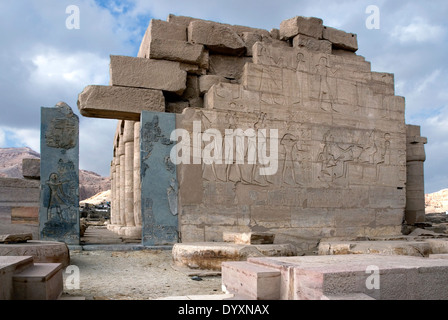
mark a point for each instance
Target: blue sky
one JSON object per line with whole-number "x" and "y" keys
{"x": 42, "y": 62}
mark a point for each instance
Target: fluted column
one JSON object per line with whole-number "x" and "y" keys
{"x": 137, "y": 182}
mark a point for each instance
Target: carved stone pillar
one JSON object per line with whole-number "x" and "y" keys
{"x": 415, "y": 187}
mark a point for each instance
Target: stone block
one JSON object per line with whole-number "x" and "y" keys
{"x": 119, "y": 102}
{"x": 31, "y": 168}
{"x": 253, "y": 281}
{"x": 232, "y": 97}
{"x": 249, "y": 39}
{"x": 254, "y": 238}
{"x": 8, "y": 267}
{"x": 181, "y": 51}
{"x": 207, "y": 81}
{"x": 341, "y": 39}
{"x": 216, "y": 37}
{"x": 312, "y": 44}
{"x": 19, "y": 192}
{"x": 42, "y": 281}
{"x": 147, "y": 73}
{"x": 229, "y": 67}
{"x": 308, "y": 26}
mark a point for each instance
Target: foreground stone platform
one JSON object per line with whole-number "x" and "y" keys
{"x": 408, "y": 246}
{"x": 210, "y": 255}
{"x": 22, "y": 278}
{"x": 336, "y": 277}
{"x": 41, "y": 251}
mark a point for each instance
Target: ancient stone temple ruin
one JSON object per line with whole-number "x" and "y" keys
{"x": 227, "y": 128}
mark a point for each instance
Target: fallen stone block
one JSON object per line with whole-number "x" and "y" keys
{"x": 308, "y": 26}
{"x": 119, "y": 102}
{"x": 341, "y": 39}
{"x": 147, "y": 73}
{"x": 250, "y": 280}
{"x": 15, "y": 238}
{"x": 31, "y": 168}
{"x": 210, "y": 255}
{"x": 216, "y": 37}
{"x": 181, "y": 51}
{"x": 249, "y": 237}
{"x": 312, "y": 44}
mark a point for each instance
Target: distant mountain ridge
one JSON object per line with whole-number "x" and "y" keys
{"x": 90, "y": 183}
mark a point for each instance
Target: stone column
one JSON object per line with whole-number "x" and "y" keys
{"x": 59, "y": 170}
{"x": 121, "y": 154}
{"x": 128, "y": 138}
{"x": 116, "y": 195}
{"x": 137, "y": 182}
{"x": 112, "y": 192}
{"x": 415, "y": 187}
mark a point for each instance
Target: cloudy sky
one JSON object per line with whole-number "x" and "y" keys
{"x": 43, "y": 62}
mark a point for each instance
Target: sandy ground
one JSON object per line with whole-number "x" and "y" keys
{"x": 133, "y": 275}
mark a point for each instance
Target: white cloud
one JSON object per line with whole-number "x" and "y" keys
{"x": 418, "y": 31}
{"x": 70, "y": 70}
{"x": 2, "y": 138}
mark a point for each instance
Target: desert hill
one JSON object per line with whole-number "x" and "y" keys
{"x": 90, "y": 183}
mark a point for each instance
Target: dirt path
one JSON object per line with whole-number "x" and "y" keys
{"x": 133, "y": 275}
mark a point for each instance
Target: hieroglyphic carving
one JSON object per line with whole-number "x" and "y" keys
{"x": 369, "y": 151}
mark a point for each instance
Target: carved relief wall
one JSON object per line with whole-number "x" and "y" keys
{"x": 341, "y": 151}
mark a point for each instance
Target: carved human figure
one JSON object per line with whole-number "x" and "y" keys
{"x": 325, "y": 94}
{"x": 57, "y": 197}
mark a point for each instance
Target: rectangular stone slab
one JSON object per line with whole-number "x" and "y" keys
{"x": 159, "y": 187}
{"x": 147, "y": 73}
{"x": 59, "y": 168}
{"x": 119, "y": 102}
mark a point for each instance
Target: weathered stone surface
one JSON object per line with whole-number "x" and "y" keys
{"x": 312, "y": 44}
{"x": 181, "y": 51}
{"x": 119, "y": 102}
{"x": 249, "y": 39}
{"x": 207, "y": 81}
{"x": 147, "y": 73}
{"x": 41, "y": 251}
{"x": 19, "y": 192}
{"x": 161, "y": 30}
{"x": 14, "y": 238}
{"x": 159, "y": 200}
{"x": 315, "y": 277}
{"x": 31, "y": 168}
{"x": 341, "y": 39}
{"x": 308, "y": 26}
{"x": 251, "y": 281}
{"x": 59, "y": 198}
{"x": 210, "y": 255}
{"x": 216, "y": 37}
{"x": 229, "y": 67}
{"x": 249, "y": 237}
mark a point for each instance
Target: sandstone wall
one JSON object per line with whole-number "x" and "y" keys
{"x": 340, "y": 129}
